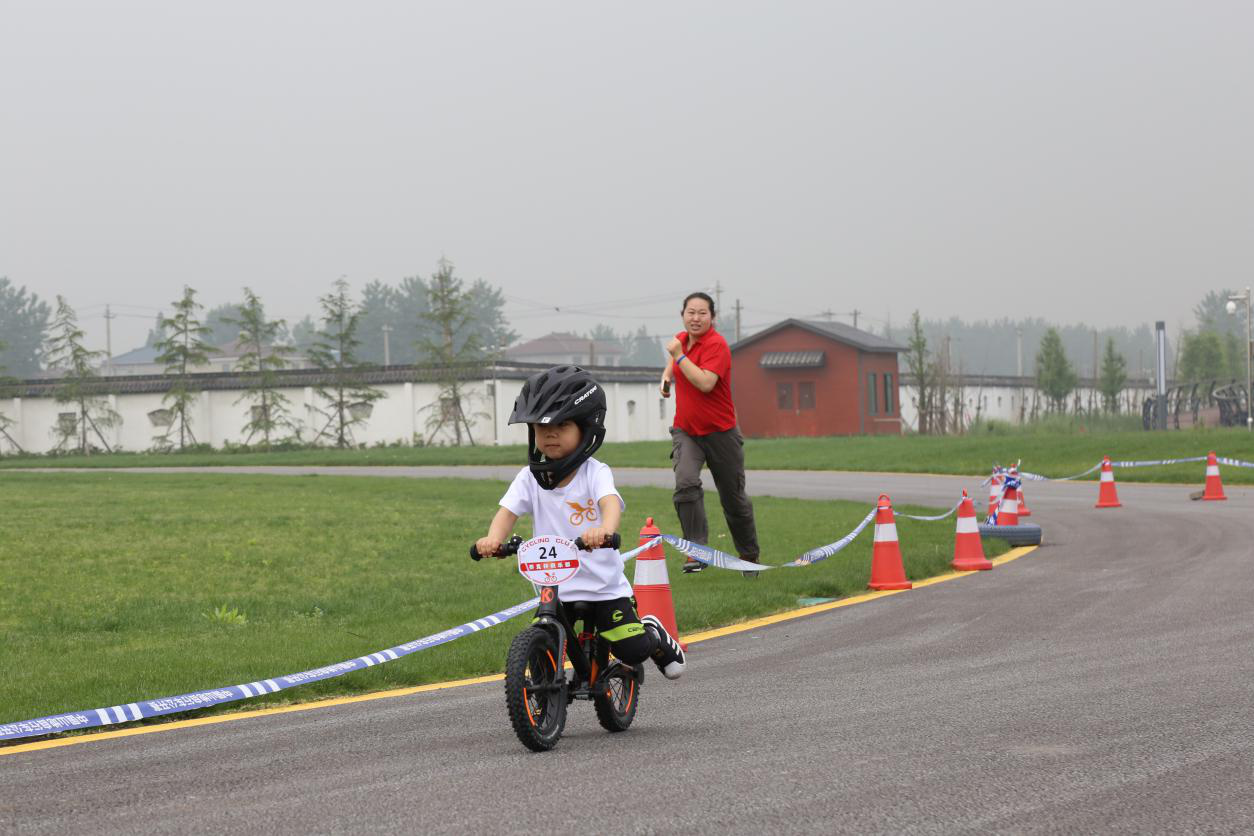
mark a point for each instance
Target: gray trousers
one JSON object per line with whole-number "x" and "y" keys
{"x": 724, "y": 453}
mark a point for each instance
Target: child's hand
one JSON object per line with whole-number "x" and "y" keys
{"x": 595, "y": 538}
{"x": 488, "y": 546}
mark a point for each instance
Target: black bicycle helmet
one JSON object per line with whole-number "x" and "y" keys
{"x": 562, "y": 393}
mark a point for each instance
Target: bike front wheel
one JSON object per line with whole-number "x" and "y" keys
{"x": 535, "y": 689}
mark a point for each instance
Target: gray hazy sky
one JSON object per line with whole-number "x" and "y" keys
{"x": 1080, "y": 161}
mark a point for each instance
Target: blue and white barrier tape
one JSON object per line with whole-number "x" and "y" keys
{"x": 143, "y": 709}
{"x": 1036, "y": 477}
{"x": 930, "y": 519}
{"x": 1233, "y": 462}
{"x": 1158, "y": 462}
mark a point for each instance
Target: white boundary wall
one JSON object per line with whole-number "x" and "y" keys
{"x": 636, "y": 412}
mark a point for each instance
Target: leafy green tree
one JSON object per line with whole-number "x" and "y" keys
{"x": 1202, "y": 357}
{"x": 304, "y": 334}
{"x": 335, "y": 353}
{"x": 923, "y": 371}
{"x": 1055, "y": 376}
{"x": 642, "y": 349}
{"x": 24, "y": 324}
{"x": 487, "y": 310}
{"x": 67, "y": 355}
{"x": 156, "y": 333}
{"x": 182, "y": 352}
{"x": 1212, "y": 314}
{"x": 1113, "y": 376}
{"x": 378, "y": 323}
{"x": 221, "y": 326}
{"x": 453, "y": 346}
{"x": 261, "y": 359}
{"x": 8, "y": 387}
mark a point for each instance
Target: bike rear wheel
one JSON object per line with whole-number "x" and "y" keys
{"x": 616, "y": 704}
{"x": 535, "y": 689}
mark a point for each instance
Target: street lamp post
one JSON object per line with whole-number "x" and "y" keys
{"x": 1249, "y": 394}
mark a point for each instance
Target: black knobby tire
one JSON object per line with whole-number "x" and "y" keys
{"x": 1023, "y": 534}
{"x": 535, "y": 689}
{"x": 616, "y": 705}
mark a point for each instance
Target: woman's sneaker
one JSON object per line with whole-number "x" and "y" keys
{"x": 669, "y": 656}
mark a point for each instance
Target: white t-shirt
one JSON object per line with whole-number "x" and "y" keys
{"x": 568, "y": 512}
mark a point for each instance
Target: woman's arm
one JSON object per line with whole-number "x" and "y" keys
{"x": 700, "y": 377}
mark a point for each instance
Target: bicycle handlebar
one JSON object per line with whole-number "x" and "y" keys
{"x": 511, "y": 546}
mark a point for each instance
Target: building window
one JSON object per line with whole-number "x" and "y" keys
{"x": 631, "y": 408}
{"x": 872, "y": 404}
{"x": 783, "y": 394}
{"x": 888, "y": 393}
{"x": 805, "y": 395}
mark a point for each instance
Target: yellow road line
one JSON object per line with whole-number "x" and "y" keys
{"x": 742, "y": 627}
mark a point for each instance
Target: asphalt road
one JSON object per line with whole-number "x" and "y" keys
{"x": 1103, "y": 682}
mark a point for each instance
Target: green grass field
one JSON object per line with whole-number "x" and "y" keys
{"x": 1056, "y": 449}
{"x": 117, "y": 587}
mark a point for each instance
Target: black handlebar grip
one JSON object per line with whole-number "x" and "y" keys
{"x": 510, "y": 546}
{"x": 613, "y": 542}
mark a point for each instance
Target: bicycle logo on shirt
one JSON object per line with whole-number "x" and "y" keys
{"x": 582, "y": 513}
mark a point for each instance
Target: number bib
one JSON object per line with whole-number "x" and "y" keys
{"x": 548, "y": 560}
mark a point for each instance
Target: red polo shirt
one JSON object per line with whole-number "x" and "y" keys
{"x": 697, "y": 412}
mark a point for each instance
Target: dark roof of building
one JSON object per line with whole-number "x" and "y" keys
{"x": 793, "y": 359}
{"x": 136, "y": 356}
{"x": 562, "y": 343}
{"x": 294, "y": 378}
{"x": 864, "y": 340}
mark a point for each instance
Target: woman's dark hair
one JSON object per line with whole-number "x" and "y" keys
{"x": 698, "y": 295}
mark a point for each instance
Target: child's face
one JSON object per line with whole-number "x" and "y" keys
{"x": 557, "y": 441}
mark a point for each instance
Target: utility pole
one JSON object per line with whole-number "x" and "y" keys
{"x": 387, "y": 344}
{"x": 718, "y": 296}
{"x": 738, "y": 309}
{"x": 855, "y": 317}
{"x": 108, "y": 316}
{"x": 827, "y": 314}
{"x": 1019, "y": 340}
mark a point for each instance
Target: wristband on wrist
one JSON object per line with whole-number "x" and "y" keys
{"x": 680, "y": 359}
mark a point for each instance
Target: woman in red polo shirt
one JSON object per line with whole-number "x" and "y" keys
{"x": 705, "y": 431}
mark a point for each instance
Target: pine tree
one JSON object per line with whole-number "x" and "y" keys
{"x": 1114, "y": 375}
{"x": 261, "y": 357}
{"x": 1055, "y": 376}
{"x": 334, "y": 353}
{"x": 66, "y": 354}
{"x": 453, "y": 347}
{"x": 182, "y": 350}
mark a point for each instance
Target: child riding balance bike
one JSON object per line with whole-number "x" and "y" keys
{"x": 574, "y": 504}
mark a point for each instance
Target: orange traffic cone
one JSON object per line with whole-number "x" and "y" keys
{"x": 887, "y": 569}
{"x": 968, "y": 548}
{"x": 1008, "y": 513}
{"x": 994, "y": 491}
{"x": 652, "y": 585}
{"x": 1024, "y": 510}
{"x": 1107, "y": 496}
{"x": 1214, "y": 486}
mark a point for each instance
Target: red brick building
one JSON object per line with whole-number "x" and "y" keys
{"x": 816, "y": 378}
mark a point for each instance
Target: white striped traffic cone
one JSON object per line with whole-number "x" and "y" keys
{"x": 968, "y": 548}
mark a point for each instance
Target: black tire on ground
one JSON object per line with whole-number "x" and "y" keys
{"x": 535, "y": 689}
{"x": 1023, "y": 534}
{"x": 617, "y": 707}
